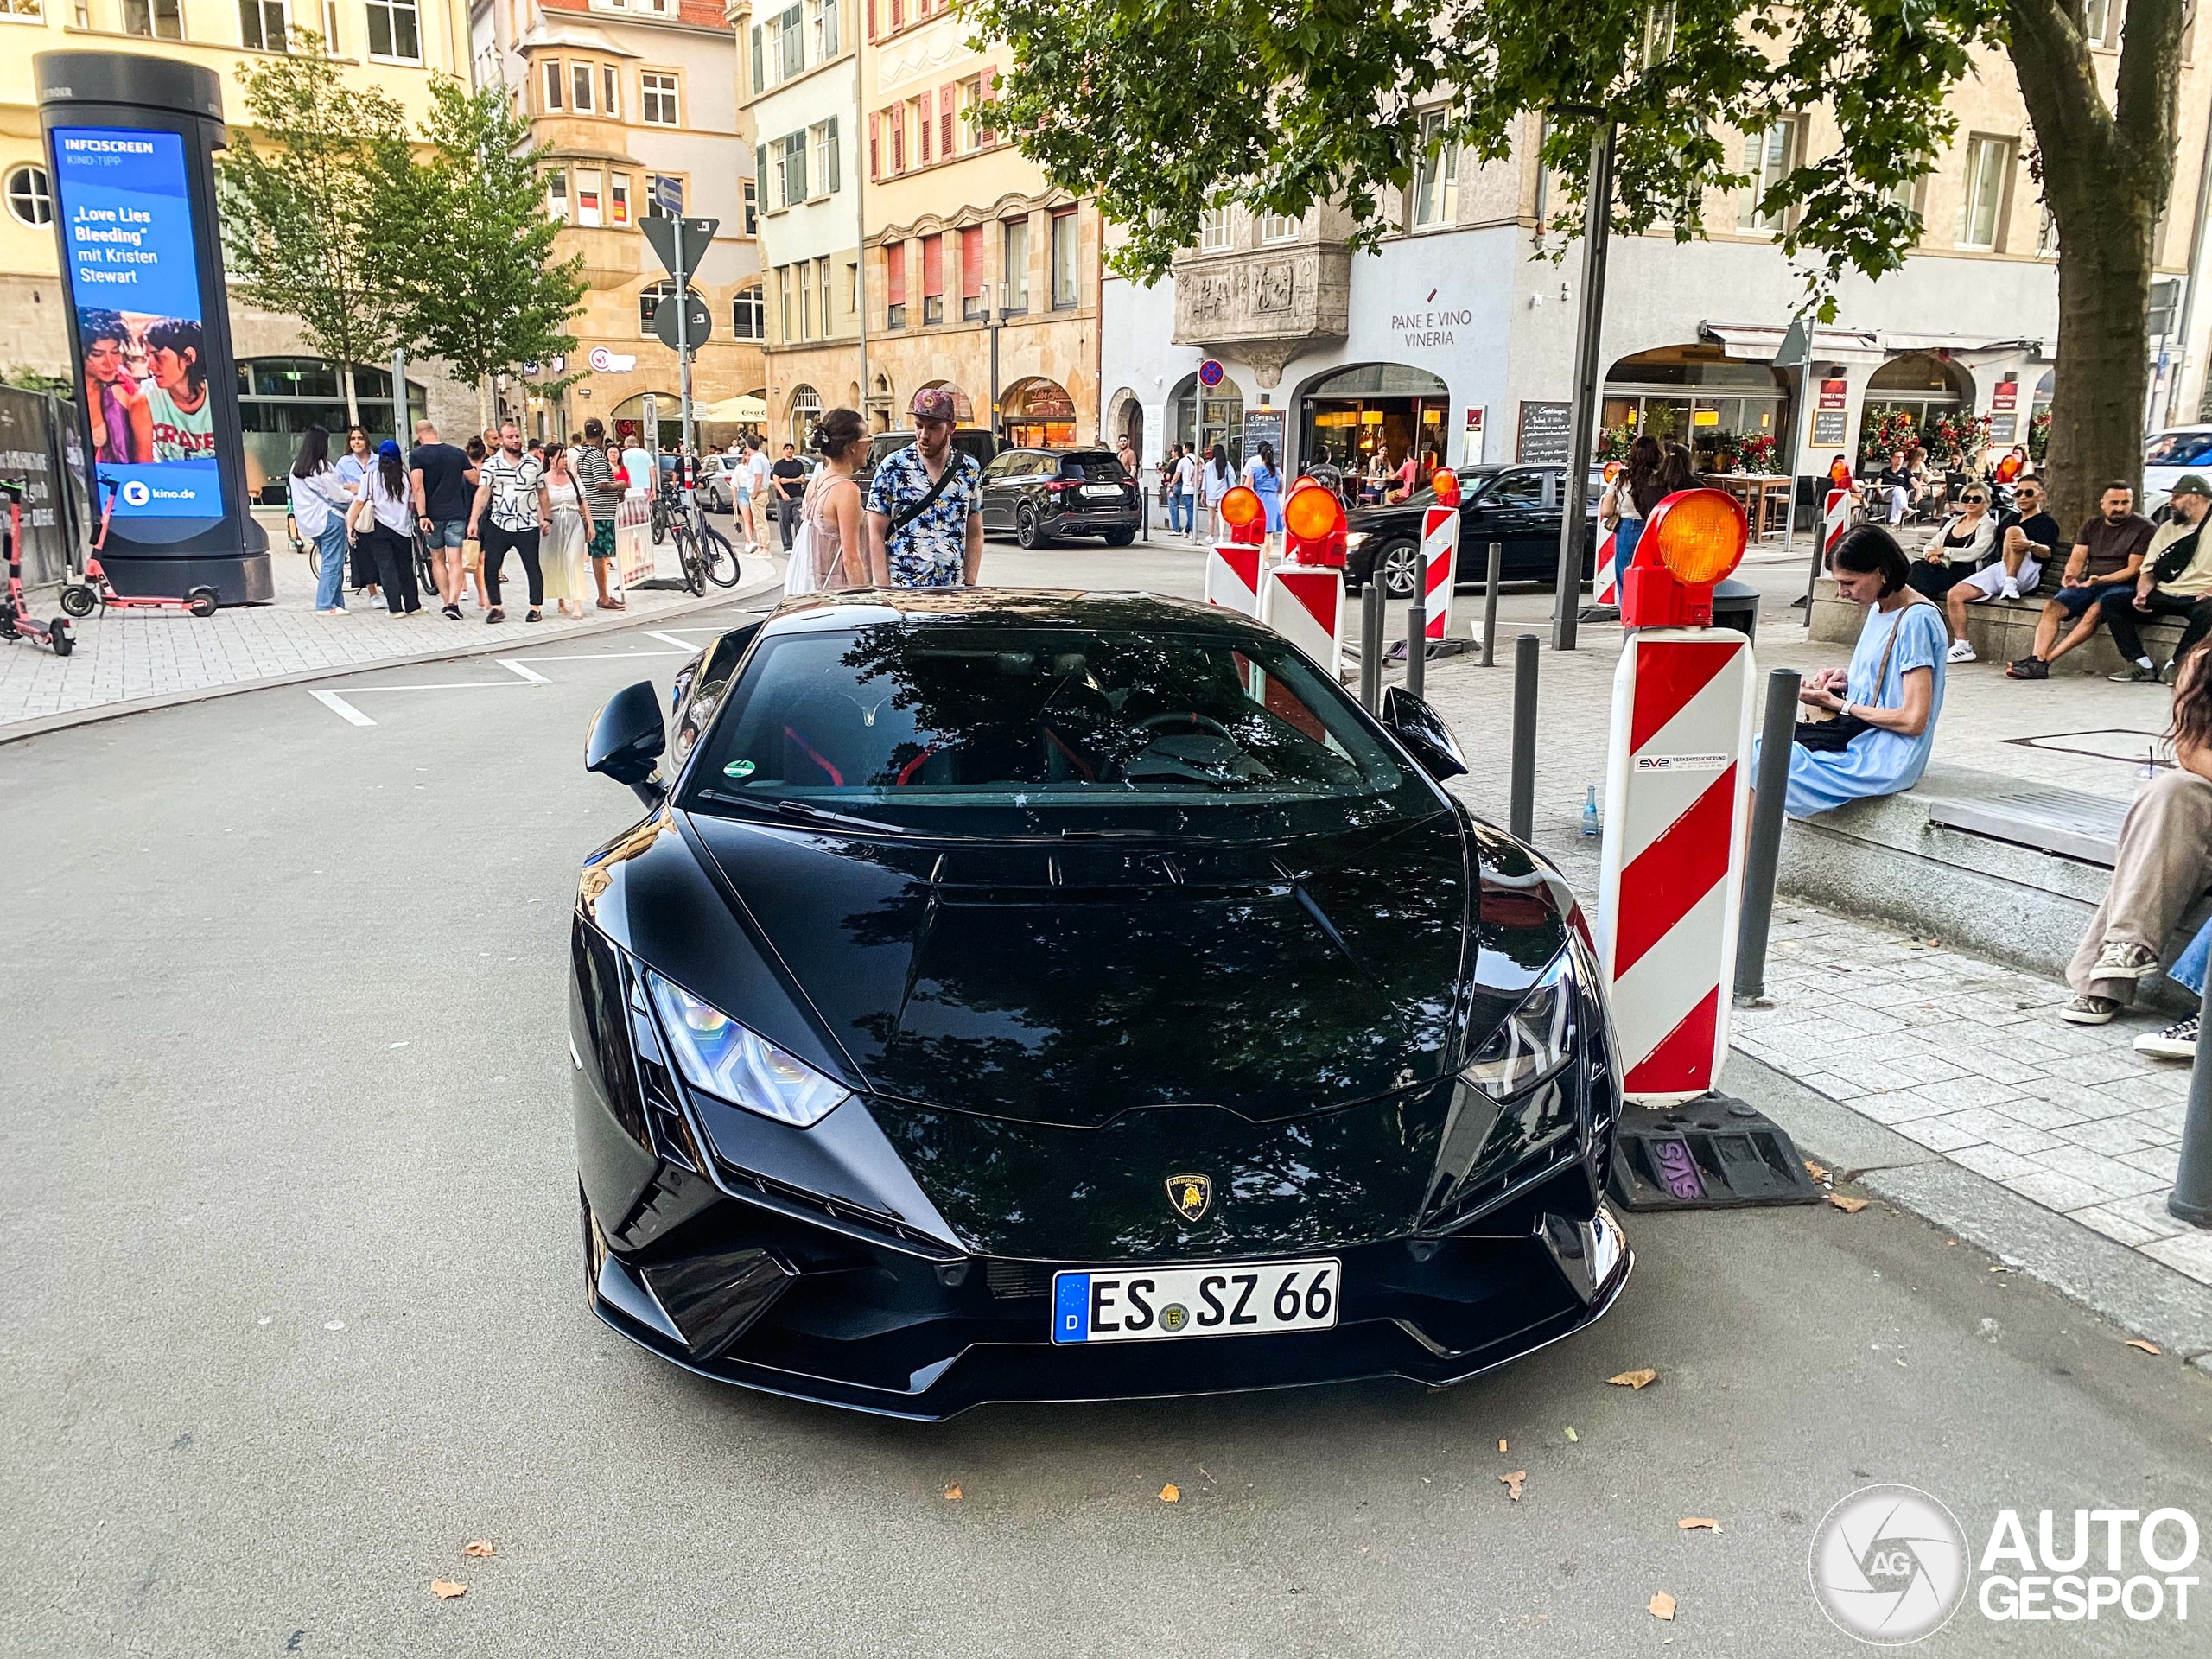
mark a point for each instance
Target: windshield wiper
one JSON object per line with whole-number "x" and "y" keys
{"x": 822, "y": 815}
{"x": 1120, "y": 835}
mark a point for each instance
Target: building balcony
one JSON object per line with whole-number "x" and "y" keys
{"x": 1267, "y": 304}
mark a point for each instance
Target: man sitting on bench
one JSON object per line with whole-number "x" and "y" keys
{"x": 2165, "y": 861}
{"x": 2107, "y": 554}
{"x": 2177, "y": 580}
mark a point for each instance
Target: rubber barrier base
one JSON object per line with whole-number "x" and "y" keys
{"x": 1710, "y": 1154}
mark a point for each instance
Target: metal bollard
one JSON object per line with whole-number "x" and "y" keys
{"x": 1417, "y": 633}
{"x": 1490, "y": 602}
{"x": 2191, "y": 1199}
{"x": 1521, "y": 816}
{"x": 1764, "y": 855}
{"x": 1371, "y": 645}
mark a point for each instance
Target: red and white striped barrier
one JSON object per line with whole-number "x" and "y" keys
{"x": 1607, "y": 579}
{"x": 1306, "y": 607}
{"x": 1836, "y": 519}
{"x": 1440, "y": 553}
{"x": 1233, "y": 577}
{"x": 1675, "y": 817}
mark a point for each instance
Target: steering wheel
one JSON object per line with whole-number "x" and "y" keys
{"x": 1185, "y": 717}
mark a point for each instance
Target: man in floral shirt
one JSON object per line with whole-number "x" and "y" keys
{"x": 942, "y": 544}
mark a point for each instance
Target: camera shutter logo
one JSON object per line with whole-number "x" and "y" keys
{"x": 1889, "y": 1565}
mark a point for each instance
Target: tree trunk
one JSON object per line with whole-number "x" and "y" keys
{"x": 352, "y": 402}
{"x": 2104, "y": 371}
{"x": 483, "y": 402}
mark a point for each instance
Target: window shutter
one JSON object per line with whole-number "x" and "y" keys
{"x": 898, "y": 13}
{"x": 760, "y": 61}
{"x": 871, "y": 19}
{"x": 875, "y": 146}
{"x": 947, "y": 97}
{"x": 972, "y": 261}
{"x": 795, "y": 148}
{"x": 924, "y": 107}
{"x": 760, "y": 176}
{"x": 894, "y": 273}
{"x": 986, "y": 84}
{"x": 896, "y": 114}
{"x": 933, "y": 266}
{"x": 836, "y": 160}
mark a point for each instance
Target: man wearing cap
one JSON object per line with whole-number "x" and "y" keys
{"x": 2177, "y": 580}
{"x": 925, "y": 526}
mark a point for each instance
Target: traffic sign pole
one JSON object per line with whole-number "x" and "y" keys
{"x": 684, "y": 344}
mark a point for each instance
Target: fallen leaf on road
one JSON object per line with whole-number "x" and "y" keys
{"x": 952, "y": 1493}
{"x": 1849, "y": 1206}
{"x": 477, "y": 1547}
{"x": 445, "y": 1589}
{"x": 2000, "y": 1269}
{"x": 1512, "y": 1484}
{"x": 1815, "y": 1171}
{"x": 1171, "y": 1493}
{"x": 1690, "y": 1523}
{"x": 2147, "y": 1347}
{"x": 1634, "y": 1379}
{"x": 1661, "y": 1605}
{"x": 1571, "y": 1434}
{"x": 1501, "y": 1445}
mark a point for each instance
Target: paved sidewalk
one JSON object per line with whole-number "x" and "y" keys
{"x": 128, "y": 655}
{"x": 1959, "y": 1055}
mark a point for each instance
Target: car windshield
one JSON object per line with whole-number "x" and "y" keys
{"x": 1009, "y": 730}
{"x": 2179, "y": 450}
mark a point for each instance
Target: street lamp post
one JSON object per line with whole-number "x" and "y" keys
{"x": 1574, "y": 535}
{"x": 997, "y": 325}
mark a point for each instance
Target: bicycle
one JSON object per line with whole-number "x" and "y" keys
{"x": 704, "y": 552}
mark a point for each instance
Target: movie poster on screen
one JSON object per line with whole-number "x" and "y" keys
{"x": 134, "y": 283}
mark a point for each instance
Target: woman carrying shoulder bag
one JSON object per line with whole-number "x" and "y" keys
{"x": 383, "y": 521}
{"x": 830, "y": 554}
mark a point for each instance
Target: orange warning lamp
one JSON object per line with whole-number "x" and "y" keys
{"x": 1446, "y": 486}
{"x": 1692, "y": 539}
{"x": 1314, "y": 526}
{"x": 1245, "y": 515}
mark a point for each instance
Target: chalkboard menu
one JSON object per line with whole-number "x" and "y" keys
{"x": 1828, "y": 428}
{"x": 1544, "y": 432}
{"x": 1264, "y": 426}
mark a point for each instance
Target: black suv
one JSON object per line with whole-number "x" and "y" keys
{"x": 968, "y": 440}
{"x": 1044, "y": 494}
{"x": 1517, "y": 506}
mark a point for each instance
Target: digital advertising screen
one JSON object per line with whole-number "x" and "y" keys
{"x": 123, "y": 197}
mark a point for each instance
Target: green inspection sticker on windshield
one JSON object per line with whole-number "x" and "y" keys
{"x": 737, "y": 769}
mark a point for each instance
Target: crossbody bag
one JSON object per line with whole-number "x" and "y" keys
{"x": 1834, "y": 735}
{"x": 906, "y": 516}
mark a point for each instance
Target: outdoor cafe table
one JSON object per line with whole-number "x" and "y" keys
{"x": 1765, "y": 497}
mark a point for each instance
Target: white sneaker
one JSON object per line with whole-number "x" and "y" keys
{"x": 2011, "y": 589}
{"x": 1961, "y": 651}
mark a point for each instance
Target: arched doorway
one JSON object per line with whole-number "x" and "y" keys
{"x": 1038, "y": 413}
{"x": 1125, "y": 419}
{"x": 806, "y": 411}
{"x": 1726, "y": 410}
{"x": 1349, "y": 416}
{"x": 963, "y": 409}
{"x": 1908, "y": 393}
{"x": 1217, "y": 417}
{"x": 627, "y": 418}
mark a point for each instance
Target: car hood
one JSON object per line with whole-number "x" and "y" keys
{"x": 1067, "y": 985}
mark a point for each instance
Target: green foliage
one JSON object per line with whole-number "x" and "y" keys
{"x": 1161, "y": 110}
{"x": 302, "y": 210}
{"x": 38, "y": 380}
{"x": 468, "y": 221}
{"x": 2038, "y": 435}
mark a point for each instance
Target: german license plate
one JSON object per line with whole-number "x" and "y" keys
{"x": 1156, "y": 1304}
{"x": 1113, "y": 490}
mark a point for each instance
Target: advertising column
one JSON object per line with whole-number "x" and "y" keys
{"x": 130, "y": 145}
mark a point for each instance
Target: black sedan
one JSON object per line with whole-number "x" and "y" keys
{"x": 1042, "y": 495}
{"x": 1518, "y": 507}
{"x": 1029, "y": 995}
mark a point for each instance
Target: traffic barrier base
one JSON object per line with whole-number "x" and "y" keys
{"x": 1306, "y": 607}
{"x": 1711, "y": 1153}
{"x": 1233, "y": 579}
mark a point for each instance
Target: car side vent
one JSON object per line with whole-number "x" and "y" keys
{"x": 851, "y": 1216}
{"x": 671, "y": 1136}
{"x": 674, "y": 1197}
{"x": 1012, "y": 1282}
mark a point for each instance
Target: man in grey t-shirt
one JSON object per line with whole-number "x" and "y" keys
{"x": 597, "y": 476}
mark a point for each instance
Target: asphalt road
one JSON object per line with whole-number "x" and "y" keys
{"x": 296, "y": 1306}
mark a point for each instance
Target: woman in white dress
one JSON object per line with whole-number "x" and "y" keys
{"x": 568, "y": 576}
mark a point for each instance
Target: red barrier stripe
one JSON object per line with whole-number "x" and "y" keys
{"x": 1664, "y": 881}
{"x": 1682, "y": 1063}
{"x": 1668, "y": 675}
{"x": 1316, "y": 596}
{"x": 1243, "y": 561}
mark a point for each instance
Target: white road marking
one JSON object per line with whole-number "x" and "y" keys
{"x": 528, "y": 676}
{"x": 345, "y": 710}
{"x": 668, "y": 638}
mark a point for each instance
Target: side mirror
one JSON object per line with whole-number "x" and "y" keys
{"x": 1421, "y": 729}
{"x": 626, "y": 740}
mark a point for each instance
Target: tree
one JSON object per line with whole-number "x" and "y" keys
{"x": 1280, "y": 103}
{"x": 471, "y": 224}
{"x": 303, "y": 211}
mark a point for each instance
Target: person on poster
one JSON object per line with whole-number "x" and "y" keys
{"x": 123, "y": 426}
{"x": 182, "y": 419}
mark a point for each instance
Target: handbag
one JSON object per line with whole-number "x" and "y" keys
{"x": 798, "y": 577}
{"x": 1833, "y": 735}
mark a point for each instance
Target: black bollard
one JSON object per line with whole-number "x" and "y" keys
{"x": 1417, "y": 633}
{"x": 1372, "y": 599}
{"x": 1521, "y": 812}
{"x": 2191, "y": 1199}
{"x": 1489, "y": 603}
{"x": 1764, "y": 855}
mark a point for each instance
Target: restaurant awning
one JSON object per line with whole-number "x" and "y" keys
{"x": 1758, "y": 342}
{"x": 743, "y": 407}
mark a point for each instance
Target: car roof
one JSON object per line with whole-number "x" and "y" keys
{"x": 1013, "y": 607}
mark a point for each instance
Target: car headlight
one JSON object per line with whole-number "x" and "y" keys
{"x": 718, "y": 1055}
{"x": 1535, "y": 1040}
{"x": 1356, "y": 538}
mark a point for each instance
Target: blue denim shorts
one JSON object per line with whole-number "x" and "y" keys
{"x": 447, "y": 532}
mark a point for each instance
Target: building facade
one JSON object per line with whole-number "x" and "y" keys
{"x": 800, "y": 97}
{"x": 1457, "y": 335}
{"x": 636, "y": 101}
{"x": 394, "y": 45}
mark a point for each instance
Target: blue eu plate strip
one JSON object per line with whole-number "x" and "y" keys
{"x": 1072, "y": 1307}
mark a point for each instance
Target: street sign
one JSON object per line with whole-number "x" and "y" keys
{"x": 1210, "y": 374}
{"x": 604, "y": 361}
{"x": 668, "y": 193}
{"x": 1797, "y": 344}
{"x": 698, "y": 236}
{"x": 698, "y": 323}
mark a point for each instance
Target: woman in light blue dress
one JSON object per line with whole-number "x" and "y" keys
{"x": 1262, "y": 473}
{"x": 1895, "y": 682}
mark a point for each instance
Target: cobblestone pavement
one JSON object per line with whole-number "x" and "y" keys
{"x": 1964, "y": 1056}
{"x": 131, "y": 654}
